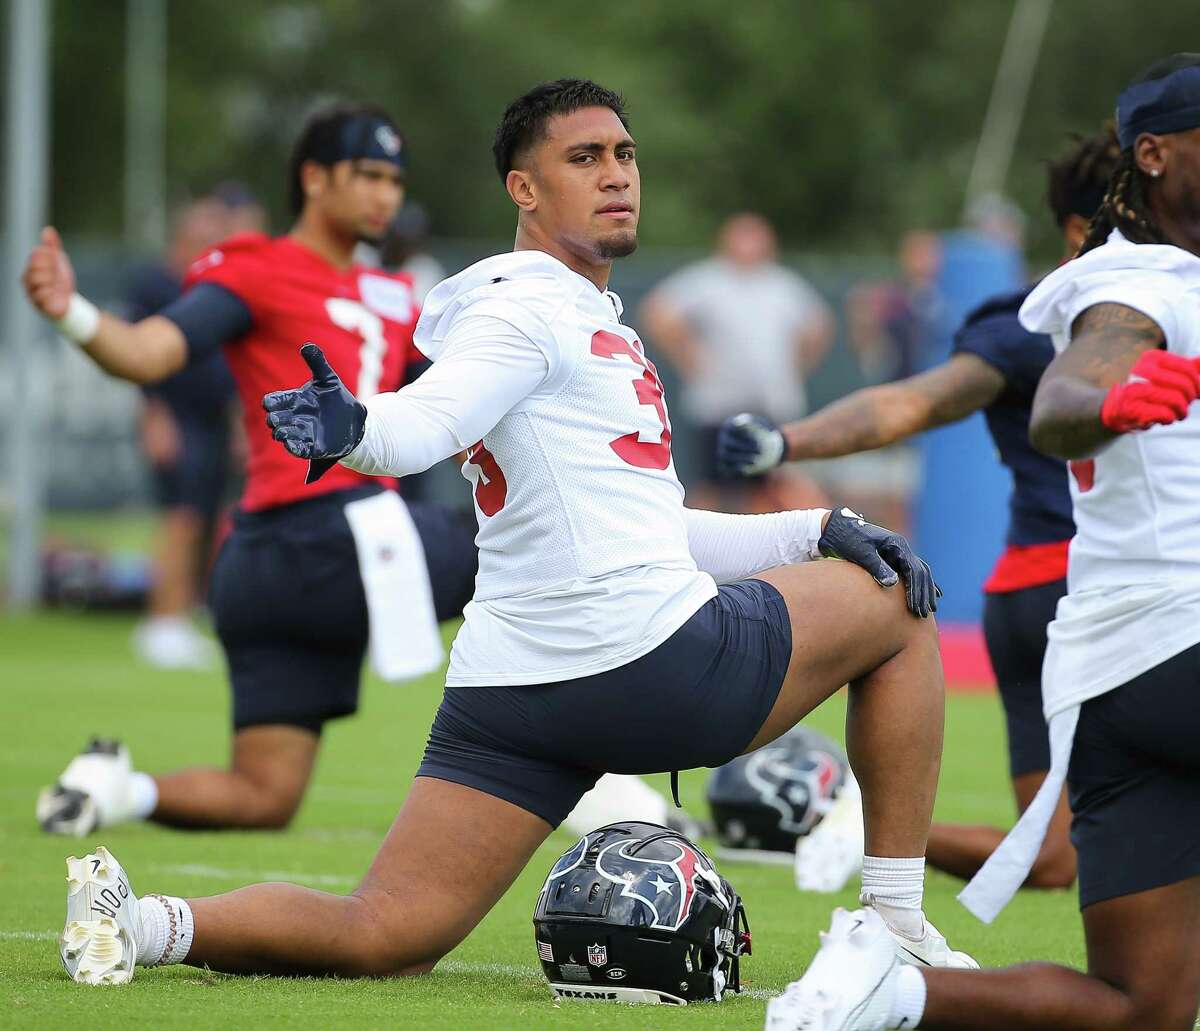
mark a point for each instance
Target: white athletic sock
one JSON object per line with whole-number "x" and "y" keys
{"x": 167, "y": 930}
{"x": 909, "y": 1004}
{"x": 896, "y": 890}
{"x": 143, "y": 795}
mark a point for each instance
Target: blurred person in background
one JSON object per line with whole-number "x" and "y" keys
{"x": 998, "y": 218}
{"x": 995, "y": 367}
{"x": 307, "y": 563}
{"x": 744, "y": 333}
{"x": 244, "y": 212}
{"x": 185, "y": 436}
{"x": 889, "y": 324}
{"x": 403, "y": 249}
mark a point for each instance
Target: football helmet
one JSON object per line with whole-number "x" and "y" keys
{"x": 635, "y": 912}
{"x": 763, "y": 802}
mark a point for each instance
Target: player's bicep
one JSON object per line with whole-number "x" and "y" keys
{"x": 1106, "y": 339}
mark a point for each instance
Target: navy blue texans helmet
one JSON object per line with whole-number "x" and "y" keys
{"x": 635, "y": 912}
{"x": 763, "y": 802}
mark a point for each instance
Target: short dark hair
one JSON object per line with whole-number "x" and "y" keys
{"x": 525, "y": 119}
{"x": 320, "y": 130}
{"x": 1077, "y": 181}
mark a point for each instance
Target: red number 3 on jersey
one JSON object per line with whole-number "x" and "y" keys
{"x": 629, "y": 448}
{"x": 491, "y": 488}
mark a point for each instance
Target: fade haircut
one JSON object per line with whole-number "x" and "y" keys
{"x": 323, "y": 127}
{"x": 1078, "y": 181}
{"x": 525, "y": 120}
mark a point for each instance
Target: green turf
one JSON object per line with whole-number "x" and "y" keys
{"x": 64, "y": 677}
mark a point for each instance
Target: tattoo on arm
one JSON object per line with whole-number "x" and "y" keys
{"x": 1106, "y": 340}
{"x": 878, "y": 416}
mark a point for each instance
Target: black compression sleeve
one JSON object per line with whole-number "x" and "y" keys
{"x": 208, "y": 316}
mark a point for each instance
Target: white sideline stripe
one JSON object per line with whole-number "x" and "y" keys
{"x": 252, "y": 876}
{"x": 450, "y": 966}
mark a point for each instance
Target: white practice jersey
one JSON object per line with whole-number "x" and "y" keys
{"x": 1134, "y": 571}
{"x": 584, "y": 562}
{"x": 1133, "y": 580}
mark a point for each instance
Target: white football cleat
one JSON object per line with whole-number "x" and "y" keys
{"x": 849, "y": 986}
{"x": 930, "y": 950}
{"x": 832, "y": 852}
{"x": 93, "y": 791}
{"x": 99, "y": 943}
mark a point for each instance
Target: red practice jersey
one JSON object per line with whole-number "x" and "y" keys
{"x": 362, "y": 318}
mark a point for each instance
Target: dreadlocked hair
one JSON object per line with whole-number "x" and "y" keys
{"x": 1125, "y": 207}
{"x": 1077, "y": 181}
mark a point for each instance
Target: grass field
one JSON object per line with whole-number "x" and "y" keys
{"x": 65, "y": 677}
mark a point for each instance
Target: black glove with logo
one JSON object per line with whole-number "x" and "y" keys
{"x": 321, "y": 421}
{"x": 749, "y": 445}
{"x": 886, "y": 555}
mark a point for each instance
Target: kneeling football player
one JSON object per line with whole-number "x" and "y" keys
{"x": 597, "y": 592}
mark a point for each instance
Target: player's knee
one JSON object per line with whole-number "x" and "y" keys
{"x": 270, "y": 808}
{"x": 1055, "y": 868}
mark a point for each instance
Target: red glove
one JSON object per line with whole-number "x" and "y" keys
{"x": 1159, "y": 389}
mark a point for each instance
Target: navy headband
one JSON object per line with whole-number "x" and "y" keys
{"x": 363, "y": 136}
{"x": 1164, "y": 105}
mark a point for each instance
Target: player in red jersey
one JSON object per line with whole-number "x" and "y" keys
{"x": 293, "y": 664}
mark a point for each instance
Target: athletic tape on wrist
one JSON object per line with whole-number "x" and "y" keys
{"x": 81, "y": 322}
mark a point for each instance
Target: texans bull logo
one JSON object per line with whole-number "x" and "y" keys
{"x": 667, "y": 887}
{"x": 800, "y": 792}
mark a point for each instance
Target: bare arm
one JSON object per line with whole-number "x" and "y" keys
{"x": 878, "y": 416}
{"x": 142, "y": 352}
{"x": 671, "y": 332}
{"x": 1106, "y": 340}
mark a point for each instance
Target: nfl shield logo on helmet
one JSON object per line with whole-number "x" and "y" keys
{"x": 598, "y": 955}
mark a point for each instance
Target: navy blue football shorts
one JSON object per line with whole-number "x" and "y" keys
{"x": 1014, "y": 626}
{"x": 698, "y": 699}
{"x": 289, "y": 607}
{"x": 1134, "y": 783}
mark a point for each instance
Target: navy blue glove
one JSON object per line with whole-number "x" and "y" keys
{"x": 886, "y": 555}
{"x": 749, "y": 445}
{"x": 321, "y": 421}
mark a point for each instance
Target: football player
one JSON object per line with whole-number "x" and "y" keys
{"x": 1124, "y": 647}
{"x": 294, "y": 632}
{"x": 598, "y": 639}
{"x": 995, "y": 367}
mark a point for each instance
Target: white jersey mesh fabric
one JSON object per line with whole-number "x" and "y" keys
{"x": 584, "y": 562}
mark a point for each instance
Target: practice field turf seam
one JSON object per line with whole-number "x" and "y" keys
{"x": 245, "y": 876}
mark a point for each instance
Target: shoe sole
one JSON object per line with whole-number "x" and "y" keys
{"x": 101, "y": 951}
{"x": 66, "y": 811}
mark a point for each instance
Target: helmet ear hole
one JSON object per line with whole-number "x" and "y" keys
{"x": 638, "y": 913}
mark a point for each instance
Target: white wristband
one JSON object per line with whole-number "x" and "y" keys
{"x": 81, "y": 322}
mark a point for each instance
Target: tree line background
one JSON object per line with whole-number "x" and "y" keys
{"x": 845, "y": 121}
